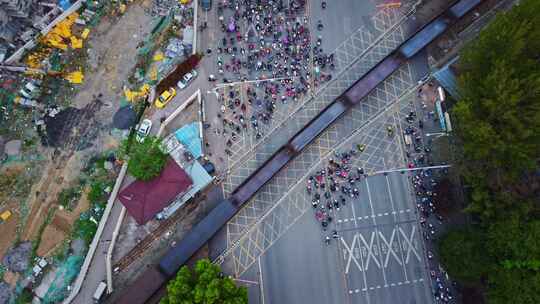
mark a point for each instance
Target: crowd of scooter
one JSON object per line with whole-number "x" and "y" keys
{"x": 331, "y": 188}
{"x": 424, "y": 182}
{"x": 268, "y": 44}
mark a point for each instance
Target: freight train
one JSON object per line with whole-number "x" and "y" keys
{"x": 154, "y": 277}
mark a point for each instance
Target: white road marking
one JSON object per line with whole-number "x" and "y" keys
{"x": 390, "y": 248}
{"x": 370, "y": 249}
{"x": 409, "y": 241}
{"x": 261, "y": 279}
{"x": 351, "y": 255}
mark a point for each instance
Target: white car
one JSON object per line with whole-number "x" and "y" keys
{"x": 184, "y": 82}
{"x": 143, "y": 130}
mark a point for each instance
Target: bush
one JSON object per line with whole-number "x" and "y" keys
{"x": 85, "y": 228}
{"x": 25, "y": 297}
{"x": 146, "y": 159}
{"x": 68, "y": 197}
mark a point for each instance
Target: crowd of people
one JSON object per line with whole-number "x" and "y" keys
{"x": 424, "y": 182}
{"x": 331, "y": 187}
{"x": 266, "y": 46}
{"x": 336, "y": 184}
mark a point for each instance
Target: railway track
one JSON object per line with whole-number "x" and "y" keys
{"x": 140, "y": 249}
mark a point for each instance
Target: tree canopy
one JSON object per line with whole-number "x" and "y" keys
{"x": 462, "y": 253}
{"x": 145, "y": 159}
{"x": 498, "y": 123}
{"x": 498, "y": 117}
{"x": 204, "y": 285}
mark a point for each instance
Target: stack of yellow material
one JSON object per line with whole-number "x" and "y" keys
{"x": 76, "y": 77}
{"x": 61, "y": 32}
{"x": 76, "y": 43}
{"x": 132, "y": 96}
{"x": 158, "y": 56}
{"x": 85, "y": 33}
{"x": 34, "y": 59}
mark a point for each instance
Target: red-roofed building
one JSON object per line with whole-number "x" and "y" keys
{"x": 144, "y": 199}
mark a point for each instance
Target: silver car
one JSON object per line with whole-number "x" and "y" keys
{"x": 143, "y": 130}
{"x": 187, "y": 79}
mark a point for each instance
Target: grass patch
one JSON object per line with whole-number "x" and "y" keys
{"x": 69, "y": 197}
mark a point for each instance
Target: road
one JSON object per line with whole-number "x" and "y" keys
{"x": 380, "y": 256}
{"x": 377, "y": 259}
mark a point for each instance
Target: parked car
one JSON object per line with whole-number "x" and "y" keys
{"x": 187, "y": 79}
{"x": 206, "y": 5}
{"x": 165, "y": 97}
{"x": 100, "y": 292}
{"x": 143, "y": 130}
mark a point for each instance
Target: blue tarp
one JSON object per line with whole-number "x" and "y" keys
{"x": 188, "y": 136}
{"x": 64, "y": 4}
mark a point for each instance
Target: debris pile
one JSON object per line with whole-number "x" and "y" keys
{"x": 21, "y": 21}
{"x": 5, "y": 293}
{"x": 164, "y": 7}
{"x": 16, "y": 258}
{"x": 71, "y": 128}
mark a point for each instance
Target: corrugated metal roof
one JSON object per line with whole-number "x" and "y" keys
{"x": 144, "y": 199}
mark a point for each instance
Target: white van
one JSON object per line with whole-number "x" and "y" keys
{"x": 100, "y": 291}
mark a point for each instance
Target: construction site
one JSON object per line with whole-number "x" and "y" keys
{"x": 72, "y": 76}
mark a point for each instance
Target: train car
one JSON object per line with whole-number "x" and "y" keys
{"x": 196, "y": 238}
{"x": 366, "y": 84}
{"x": 148, "y": 283}
{"x": 424, "y": 37}
{"x": 261, "y": 176}
{"x": 463, "y": 7}
{"x": 324, "y": 119}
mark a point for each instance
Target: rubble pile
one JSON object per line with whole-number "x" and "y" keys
{"x": 5, "y": 293}
{"x": 16, "y": 259}
{"x": 164, "y": 7}
{"x": 21, "y": 21}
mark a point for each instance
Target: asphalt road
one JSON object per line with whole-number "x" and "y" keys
{"x": 377, "y": 258}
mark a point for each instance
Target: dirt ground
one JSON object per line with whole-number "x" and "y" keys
{"x": 13, "y": 203}
{"x": 60, "y": 227}
{"x": 114, "y": 46}
{"x": 9, "y": 232}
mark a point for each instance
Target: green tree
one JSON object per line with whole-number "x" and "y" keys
{"x": 204, "y": 285}
{"x": 514, "y": 286}
{"x": 146, "y": 159}
{"x": 463, "y": 254}
{"x": 498, "y": 117}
